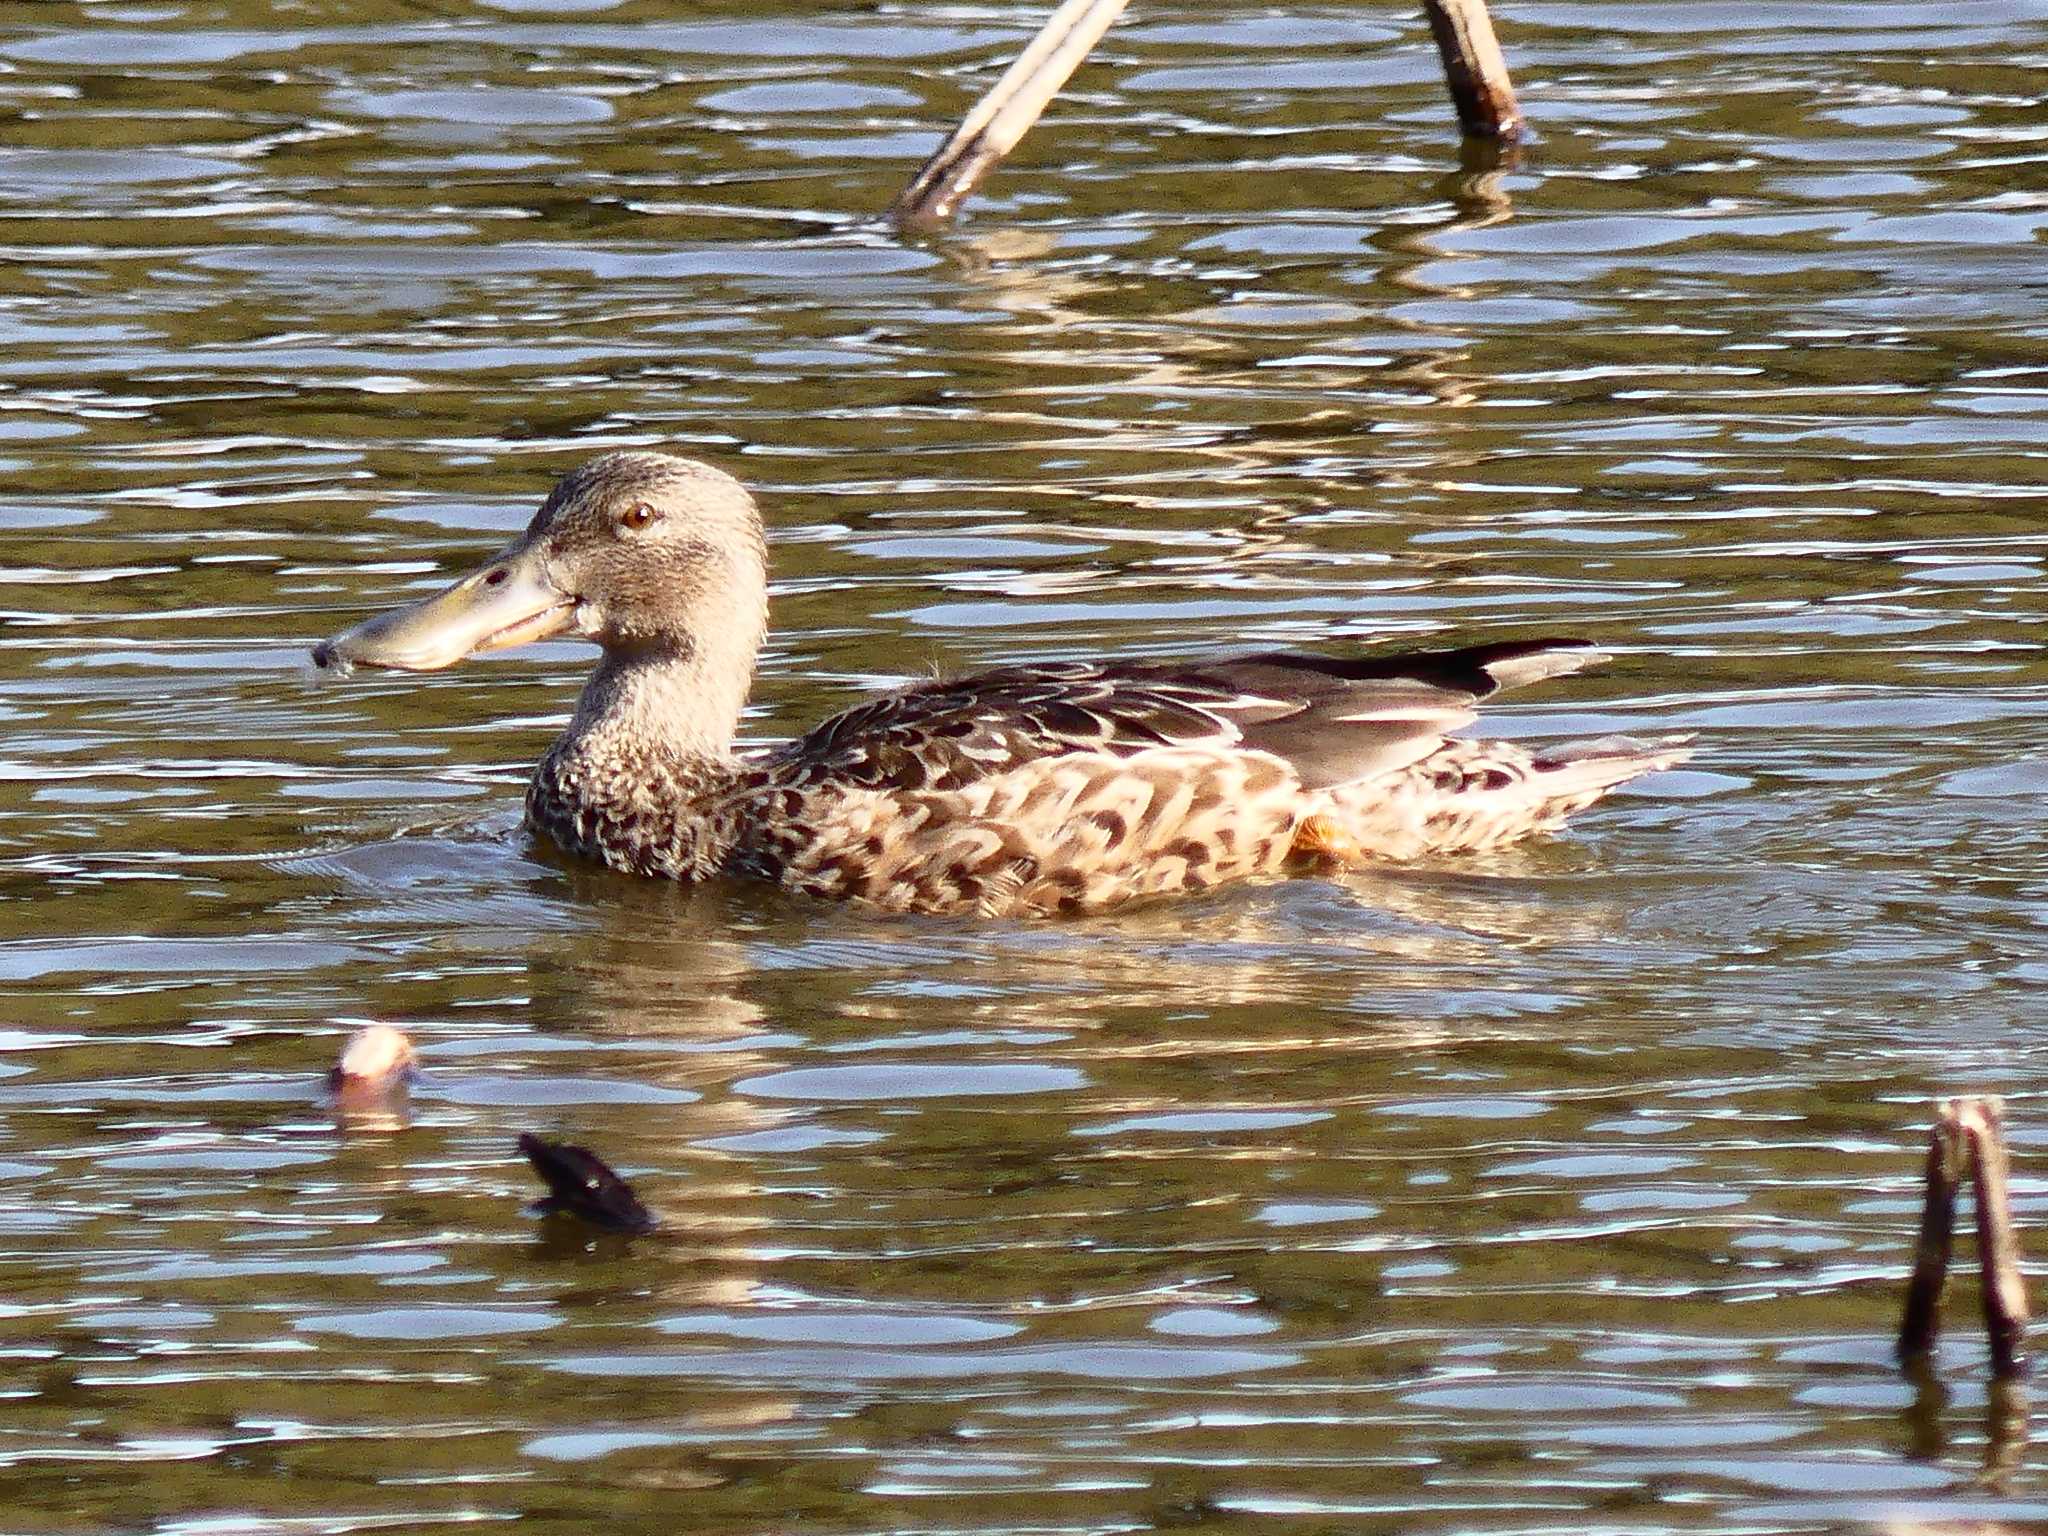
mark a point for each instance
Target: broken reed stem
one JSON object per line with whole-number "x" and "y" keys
{"x": 1968, "y": 1136}
{"x": 998, "y": 122}
{"x": 1474, "y": 69}
{"x": 1998, "y": 1245}
{"x": 1945, "y": 1156}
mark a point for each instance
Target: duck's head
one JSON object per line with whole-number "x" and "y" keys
{"x": 644, "y": 553}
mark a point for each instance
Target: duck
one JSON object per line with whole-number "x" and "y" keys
{"x": 1038, "y": 789}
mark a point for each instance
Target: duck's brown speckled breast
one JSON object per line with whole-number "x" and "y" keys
{"x": 640, "y": 813}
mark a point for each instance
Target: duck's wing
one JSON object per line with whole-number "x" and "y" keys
{"x": 1335, "y": 720}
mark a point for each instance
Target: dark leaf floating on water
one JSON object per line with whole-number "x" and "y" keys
{"x": 582, "y": 1184}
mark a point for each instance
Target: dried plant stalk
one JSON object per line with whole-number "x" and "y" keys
{"x": 1998, "y": 1244}
{"x": 1474, "y": 68}
{"x": 1945, "y": 1158}
{"x": 996, "y": 123}
{"x": 1968, "y": 1137}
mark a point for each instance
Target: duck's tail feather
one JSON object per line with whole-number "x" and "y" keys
{"x": 1471, "y": 795}
{"x": 1517, "y": 666}
{"x": 1579, "y": 772}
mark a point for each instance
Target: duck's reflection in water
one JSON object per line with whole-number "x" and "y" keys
{"x": 799, "y": 1025}
{"x": 938, "y": 1129}
{"x": 711, "y": 984}
{"x": 662, "y": 979}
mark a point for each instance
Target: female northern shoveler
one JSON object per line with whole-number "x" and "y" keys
{"x": 1059, "y": 787}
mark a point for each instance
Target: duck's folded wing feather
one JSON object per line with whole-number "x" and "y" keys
{"x": 1335, "y": 720}
{"x": 1356, "y": 718}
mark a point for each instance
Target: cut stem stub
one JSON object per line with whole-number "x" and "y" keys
{"x": 1968, "y": 1138}
{"x": 1474, "y": 70}
{"x": 998, "y": 122}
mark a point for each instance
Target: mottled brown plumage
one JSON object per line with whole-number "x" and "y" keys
{"x": 1062, "y": 787}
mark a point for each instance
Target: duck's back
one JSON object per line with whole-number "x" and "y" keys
{"x": 1076, "y": 786}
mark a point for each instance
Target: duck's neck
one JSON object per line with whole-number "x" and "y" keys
{"x": 674, "y": 707}
{"x": 635, "y": 779}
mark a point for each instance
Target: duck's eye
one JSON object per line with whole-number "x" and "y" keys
{"x": 638, "y": 515}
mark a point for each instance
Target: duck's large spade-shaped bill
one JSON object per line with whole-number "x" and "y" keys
{"x": 510, "y": 601}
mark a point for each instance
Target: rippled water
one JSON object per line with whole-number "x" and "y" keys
{"x": 1562, "y": 1190}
